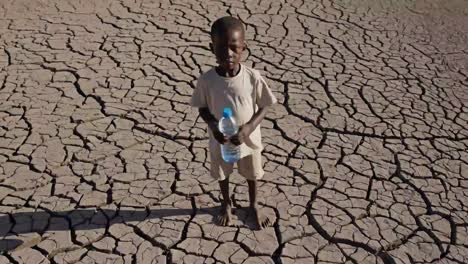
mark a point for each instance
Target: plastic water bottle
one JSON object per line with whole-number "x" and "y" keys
{"x": 228, "y": 126}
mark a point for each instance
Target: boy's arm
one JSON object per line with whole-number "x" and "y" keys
{"x": 249, "y": 127}
{"x": 212, "y": 123}
{"x": 264, "y": 97}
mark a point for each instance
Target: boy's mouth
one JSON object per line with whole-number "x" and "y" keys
{"x": 229, "y": 62}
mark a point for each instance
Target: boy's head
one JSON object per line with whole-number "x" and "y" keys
{"x": 228, "y": 42}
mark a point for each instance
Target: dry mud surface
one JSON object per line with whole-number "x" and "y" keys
{"x": 103, "y": 161}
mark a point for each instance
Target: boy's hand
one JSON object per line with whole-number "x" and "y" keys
{"x": 242, "y": 135}
{"x": 220, "y": 137}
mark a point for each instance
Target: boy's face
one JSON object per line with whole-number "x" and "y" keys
{"x": 228, "y": 48}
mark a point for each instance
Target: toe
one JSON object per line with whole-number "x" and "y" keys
{"x": 226, "y": 220}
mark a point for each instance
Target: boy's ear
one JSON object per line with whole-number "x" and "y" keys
{"x": 245, "y": 46}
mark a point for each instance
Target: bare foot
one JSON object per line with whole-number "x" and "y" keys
{"x": 224, "y": 217}
{"x": 260, "y": 219}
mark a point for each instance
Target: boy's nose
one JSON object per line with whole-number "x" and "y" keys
{"x": 230, "y": 52}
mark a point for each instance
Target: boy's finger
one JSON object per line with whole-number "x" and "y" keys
{"x": 235, "y": 141}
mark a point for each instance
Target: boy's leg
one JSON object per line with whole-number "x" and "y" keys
{"x": 261, "y": 220}
{"x": 221, "y": 170}
{"x": 225, "y": 216}
{"x": 252, "y": 169}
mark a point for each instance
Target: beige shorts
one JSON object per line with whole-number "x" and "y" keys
{"x": 250, "y": 167}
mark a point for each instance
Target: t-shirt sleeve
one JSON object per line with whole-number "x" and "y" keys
{"x": 199, "y": 95}
{"x": 264, "y": 94}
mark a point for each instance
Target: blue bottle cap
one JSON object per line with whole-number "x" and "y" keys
{"x": 227, "y": 112}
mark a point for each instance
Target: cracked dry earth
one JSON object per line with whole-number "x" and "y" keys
{"x": 103, "y": 160}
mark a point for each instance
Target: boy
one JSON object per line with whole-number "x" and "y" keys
{"x": 241, "y": 88}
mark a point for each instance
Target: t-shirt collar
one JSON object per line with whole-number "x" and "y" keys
{"x": 233, "y": 77}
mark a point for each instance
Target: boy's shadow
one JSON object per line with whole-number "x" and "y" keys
{"x": 9, "y": 244}
{"x": 89, "y": 219}
{"x": 245, "y": 217}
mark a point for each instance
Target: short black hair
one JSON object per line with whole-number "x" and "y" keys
{"x": 222, "y": 25}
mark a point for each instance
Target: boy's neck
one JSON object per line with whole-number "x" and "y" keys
{"x": 228, "y": 72}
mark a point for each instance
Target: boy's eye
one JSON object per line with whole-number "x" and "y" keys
{"x": 235, "y": 47}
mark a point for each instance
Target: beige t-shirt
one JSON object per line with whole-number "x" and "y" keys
{"x": 244, "y": 93}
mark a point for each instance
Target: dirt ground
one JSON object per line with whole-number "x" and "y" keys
{"x": 102, "y": 160}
